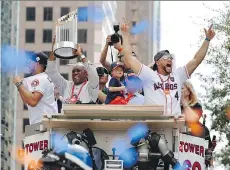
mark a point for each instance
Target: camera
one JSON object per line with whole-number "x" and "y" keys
{"x": 115, "y": 38}
{"x": 101, "y": 71}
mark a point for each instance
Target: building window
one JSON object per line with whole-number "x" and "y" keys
{"x": 6, "y": 142}
{"x": 82, "y": 35}
{"x": 64, "y": 62}
{"x": 47, "y": 36}
{"x": 30, "y": 14}
{"x": 82, "y": 14}
{"x": 47, "y": 53}
{"x": 134, "y": 23}
{"x": 48, "y": 14}
{"x": 64, "y": 11}
{"x": 84, "y": 53}
{"x": 30, "y": 35}
{"x": 25, "y": 76}
{"x": 25, "y": 122}
{"x": 25, "y": 106}
{"x": 65, "y": 75}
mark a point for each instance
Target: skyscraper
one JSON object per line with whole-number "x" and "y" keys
{"x": 37, "y": 20}
{"x": 36, "y": 32}
{"x": 146, "y": 44}
{"x": 9, "y": 27}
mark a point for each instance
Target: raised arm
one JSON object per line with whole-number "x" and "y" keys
{"x": 134, "y": 64}
{"x": 201, "y": 53}
{"x": 53, "y": 73}
{"x": 93, "y": 79}
{"x": 104, "y": 52}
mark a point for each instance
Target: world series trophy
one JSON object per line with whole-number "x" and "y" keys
{"x": 66, "y": 36}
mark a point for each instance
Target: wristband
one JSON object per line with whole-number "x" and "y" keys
{"x": 18, "y": 84}
{"x": 185, "y": 105}
{"x": 82, "y": 56}
{"x": 207, "y": 39}
{"x": 120, "y": 50}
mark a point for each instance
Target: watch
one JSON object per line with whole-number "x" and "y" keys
{"x": 82, "y": 56}
{"x": 18, "y": 84}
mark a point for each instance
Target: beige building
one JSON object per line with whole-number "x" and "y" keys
{"x": 37, "y": 28}
{"x": 146, "y": 44}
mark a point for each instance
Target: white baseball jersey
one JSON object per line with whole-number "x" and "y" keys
{"x": 163, "y": 90}
{"x": 47, "y": 105}
{"x": 86, "y": 92}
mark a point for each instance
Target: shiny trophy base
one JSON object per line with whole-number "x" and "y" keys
{"x": 65, "y": 50}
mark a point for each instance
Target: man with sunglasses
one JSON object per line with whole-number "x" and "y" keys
{"x": 84, "y": 87}
{"x": 161, "y": 85}
{"x": 37, "y": 91}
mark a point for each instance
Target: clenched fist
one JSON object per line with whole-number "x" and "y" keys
{"x": 17, "y": 79}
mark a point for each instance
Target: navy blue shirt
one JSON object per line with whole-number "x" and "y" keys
{"x": 112, "y": 95}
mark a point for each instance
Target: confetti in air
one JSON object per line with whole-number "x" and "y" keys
{"x": 93, "y": 13}
{"x": 129, "y": 157}
{"x": 137, "y": 132}
{"x": 140, "y": 27}
{"x": 60, "y": 143}
{"x": 133, "y": 84}
{"x": 13, "y": 58}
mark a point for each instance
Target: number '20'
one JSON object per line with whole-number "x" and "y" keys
{"x": 187, "y": 165}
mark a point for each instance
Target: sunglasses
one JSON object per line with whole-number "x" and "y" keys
{"x": 166, "y": 57}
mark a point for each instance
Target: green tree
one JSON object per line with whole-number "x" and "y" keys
{"x": 217, "y": 84}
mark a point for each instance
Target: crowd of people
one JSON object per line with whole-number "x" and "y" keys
{"x": 129, "y": 82}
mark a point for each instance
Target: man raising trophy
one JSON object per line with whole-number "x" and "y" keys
{"x": 84, "y": 86}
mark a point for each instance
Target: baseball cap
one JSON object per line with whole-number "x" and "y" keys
{"x": 114, "y": 65}
{"x": 40, "y": 57}
{"x": 158, "y": 56}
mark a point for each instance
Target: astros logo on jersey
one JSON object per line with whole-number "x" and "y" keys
{"x": 35, "y": 83}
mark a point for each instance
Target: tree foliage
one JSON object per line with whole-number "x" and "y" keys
{"x": 217, "y": 84}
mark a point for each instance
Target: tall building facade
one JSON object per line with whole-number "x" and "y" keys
{"x": 146, "y": 44}
{"x": 37, "y": 20}
{"x": 9, "y": 27}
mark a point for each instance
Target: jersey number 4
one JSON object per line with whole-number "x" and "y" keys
{"x": 177, "y": 96}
